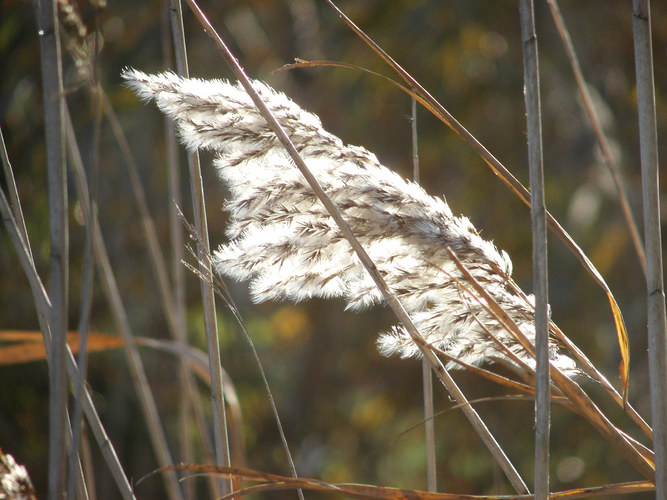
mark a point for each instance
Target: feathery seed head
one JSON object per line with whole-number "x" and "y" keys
{"x": 282, "y": 240}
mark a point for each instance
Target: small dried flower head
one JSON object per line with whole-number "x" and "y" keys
{"x": 282, "y": 240}
{"x": 15, "y": 483}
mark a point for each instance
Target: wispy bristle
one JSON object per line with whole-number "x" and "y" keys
{"x": 283, "y": 241}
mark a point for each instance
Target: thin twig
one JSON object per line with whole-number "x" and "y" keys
{"x": 427, "y": 374}
{"x": 539, "y": 229}
{"x": 657, "y": 329}
{"x": 268, "y": 482}
{"x": 605, "y": 148}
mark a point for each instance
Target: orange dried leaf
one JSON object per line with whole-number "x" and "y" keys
{"x": 272, "y": 482}
{"x": 623, "y": 344}
{"x": 23, "y": 346}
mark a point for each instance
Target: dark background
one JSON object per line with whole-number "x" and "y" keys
{"x": 344, "y": 406}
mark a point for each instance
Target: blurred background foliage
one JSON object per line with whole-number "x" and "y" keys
{"x": 345, "y": 408}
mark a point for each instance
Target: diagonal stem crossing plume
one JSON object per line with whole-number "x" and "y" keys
{"x": 282, "y": 240}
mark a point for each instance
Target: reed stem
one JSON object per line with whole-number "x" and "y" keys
{"x": 657, "y": 324}
{"x": 539, "y": 227}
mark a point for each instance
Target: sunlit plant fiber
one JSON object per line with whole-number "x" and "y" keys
{"x": 283, "y": 241}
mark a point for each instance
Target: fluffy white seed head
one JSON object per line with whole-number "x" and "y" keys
{"x": 282, "y": 240}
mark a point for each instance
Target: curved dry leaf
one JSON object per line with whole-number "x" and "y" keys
{"x": 273, "y": 482}
{"x": 23, "y": 346}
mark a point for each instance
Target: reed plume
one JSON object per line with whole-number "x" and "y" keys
{"x": 282, "y": 240}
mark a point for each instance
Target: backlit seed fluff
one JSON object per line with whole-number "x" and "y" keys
{"x": 282, "y": 240}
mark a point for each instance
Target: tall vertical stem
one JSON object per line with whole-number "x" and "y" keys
{"x": 203, "y": 251}
{"x": 186, "y": 382}
{"x": 539, "y": 227}
{"x": 52, "y": 92}
{"x": 427, "y": 374}
{"x": 657, "y": 331}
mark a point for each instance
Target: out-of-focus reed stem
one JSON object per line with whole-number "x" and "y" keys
{"x": 220, "y": 433}
{"x": 177, "y": 245}
{"x": 605, "y": 148}
{"x": 43, "y": 306}
{"x": 135, "y": 364}
{"x": 427, "y": 374}
{"x": 53, "y": 96}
